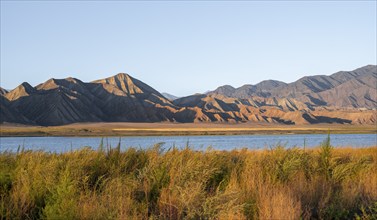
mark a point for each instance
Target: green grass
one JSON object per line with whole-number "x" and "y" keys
{"x": 157, "y": 183}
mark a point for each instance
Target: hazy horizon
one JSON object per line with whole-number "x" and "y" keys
{"x": 184, "y": 47}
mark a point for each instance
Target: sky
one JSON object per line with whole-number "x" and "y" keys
{"x": 184, "y": 47}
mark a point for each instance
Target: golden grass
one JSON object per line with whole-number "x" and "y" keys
{"x": 142, "y": 129}
{"x": 320, "y": 183}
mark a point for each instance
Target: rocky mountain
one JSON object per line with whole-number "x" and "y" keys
{"x": 122, "y": 98}
{"x": 354, "y": 89}
{"x": 55, "y": 102}
{"x": 64, "y": 101}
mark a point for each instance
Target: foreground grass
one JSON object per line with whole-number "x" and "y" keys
{"x": 321, "y": 183}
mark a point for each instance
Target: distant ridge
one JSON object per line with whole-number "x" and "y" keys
{"x": 3, "y": 91}
{"x": 346, "y": 97}
{"x": 352, "y": 89}
{"x": 169, "y": 96}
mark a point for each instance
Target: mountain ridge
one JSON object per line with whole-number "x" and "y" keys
{"x": 343, "y": 97}
{"x": 312, "y": 89}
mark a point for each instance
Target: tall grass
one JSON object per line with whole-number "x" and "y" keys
{"x": 279, "y": 183}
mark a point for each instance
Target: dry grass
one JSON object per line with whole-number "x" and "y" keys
{"x": 142, "y": 129}
{"x": 320, "y": 183}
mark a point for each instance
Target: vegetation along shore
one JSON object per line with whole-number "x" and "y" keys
{"x": 157, "y": 183}
{"x": 155, "y": 129}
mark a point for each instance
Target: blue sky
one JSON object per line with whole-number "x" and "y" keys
{"x": 184, "y": 47}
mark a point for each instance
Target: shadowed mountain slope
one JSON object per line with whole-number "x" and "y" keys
{"x": 9, "y": 114}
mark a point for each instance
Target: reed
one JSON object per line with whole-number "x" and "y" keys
{"x": 158, "y": 183}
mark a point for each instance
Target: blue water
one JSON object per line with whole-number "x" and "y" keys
{"x": 62, "y": 144}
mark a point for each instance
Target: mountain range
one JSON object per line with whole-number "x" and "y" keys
{"x": 355, "y": 88}
{"x": 343, "y": 97}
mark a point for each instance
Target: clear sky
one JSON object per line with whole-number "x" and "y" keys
{"x": 184, "y": 47}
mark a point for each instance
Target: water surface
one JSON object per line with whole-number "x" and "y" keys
{"x": 62, "y": 144}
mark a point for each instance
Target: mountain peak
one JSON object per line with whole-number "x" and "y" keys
{"x": 127, "y": 84}
{"x": 72, "y": 80}
{"x": 270, "y": 84}
{"x": 56, "y": 83}
{"x": 24, "y": 89}
{"x": 226, "y": 90}
{"x": 26, "y": 85}
{"x": 122, "y": 76}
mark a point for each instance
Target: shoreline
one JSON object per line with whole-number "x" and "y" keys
{"x": 177, "y": 129}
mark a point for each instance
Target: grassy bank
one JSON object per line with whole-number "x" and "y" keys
{"x": 321, "y": 183}
{"x": 167, "y": 129}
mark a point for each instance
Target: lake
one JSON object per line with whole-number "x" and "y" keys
{"x": 62, "y": 144}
